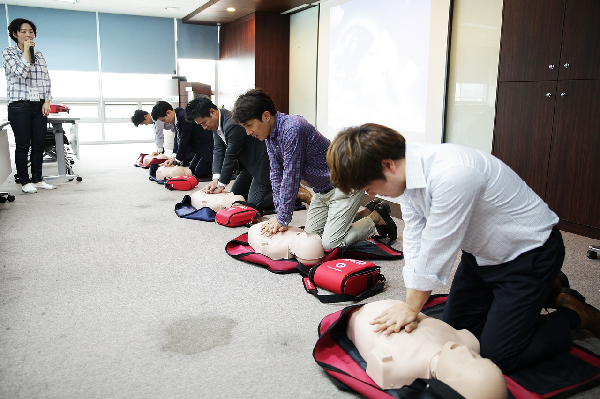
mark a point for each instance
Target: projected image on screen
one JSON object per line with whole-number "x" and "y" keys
{"x": 378, "y": 60}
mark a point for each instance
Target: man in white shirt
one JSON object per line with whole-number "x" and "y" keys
{"x": 456, "y": 198}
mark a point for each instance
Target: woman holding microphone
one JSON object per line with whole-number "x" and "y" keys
{"x": 28, "y": 98}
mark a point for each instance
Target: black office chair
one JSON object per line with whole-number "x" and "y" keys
{"x": 5, "y": 195}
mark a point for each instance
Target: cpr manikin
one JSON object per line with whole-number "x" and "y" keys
{"x": 148, "y": 158}
{"x": 433, "y": 350}
{"x": 166, "y": 172}
{"x": 292, "y": 243}
{"x": 216, "y": 202}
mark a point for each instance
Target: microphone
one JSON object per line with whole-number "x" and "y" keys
{"x": 32, "y": 55}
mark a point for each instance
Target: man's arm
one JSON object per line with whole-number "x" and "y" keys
{"x": 236, "y": 136}
{"x": 432, "y": 243}
{"x": 219, "y": 149}
{"x": 186, "y": 130}
{"x": 293, "y": 147}
{"x": 159, "y": 136}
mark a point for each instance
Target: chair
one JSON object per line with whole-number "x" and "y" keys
{"x": 592, "y": 252}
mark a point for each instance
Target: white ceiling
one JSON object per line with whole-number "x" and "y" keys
{"x": 151, "y": 8}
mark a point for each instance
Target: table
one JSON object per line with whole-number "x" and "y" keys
{"x": 63, "y": 163}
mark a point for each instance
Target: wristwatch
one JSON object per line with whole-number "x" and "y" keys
{"x": 175, "y": 163}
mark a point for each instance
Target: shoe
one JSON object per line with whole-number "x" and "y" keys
{"x": 43, "y": 184}
{"x": 373, "y": 203}
{"x": 590, "y": 316}
{"x": 304, "y": 195}
{"x": 389, "y": 229}
{"x": 29, "y": 188}
{"x": 561, "y": 282}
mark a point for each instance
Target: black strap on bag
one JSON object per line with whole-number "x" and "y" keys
{"x": 311, "y": 288}
{"x": 423, "y": 388}
{"x": 334, "y": 298}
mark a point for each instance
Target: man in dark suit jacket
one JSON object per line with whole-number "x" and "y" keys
{"x": 195, "y": 145}
{"x": 233, "y": 149}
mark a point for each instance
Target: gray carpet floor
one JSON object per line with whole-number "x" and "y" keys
{"x": 105, "y": 293}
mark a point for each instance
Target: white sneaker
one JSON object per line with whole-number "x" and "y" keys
{"x": 29, "y": 188}
{"x": 43, "y": 184}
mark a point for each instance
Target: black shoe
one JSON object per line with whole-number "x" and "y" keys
{"x": 389, "y": 229}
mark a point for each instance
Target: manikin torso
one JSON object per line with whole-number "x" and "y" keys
{"x": 216, "y": 202}
{"x": 150, "y": 157}
{"x": 415, "y": 349}
{"x": 294, "y": 242}
{"x": 166, "y": 172}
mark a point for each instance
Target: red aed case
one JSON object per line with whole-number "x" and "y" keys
{"x": 238, "y": 215}
{"x": 183, "y": 183}
{"x": 351, "y": 279}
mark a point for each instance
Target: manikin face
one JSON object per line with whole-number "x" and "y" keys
{"x": 24, "y": 33}
{"x": 260, "y": 129}
{"x": 169, "y": 118}
{"x": 394, "y": 184}
{"x": 210, "y": 122}
{"x": 469, "y": 374}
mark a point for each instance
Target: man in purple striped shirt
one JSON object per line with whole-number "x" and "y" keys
{"x": 297, "y": 151}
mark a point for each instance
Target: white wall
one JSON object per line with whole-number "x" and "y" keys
{"x": 304, "y": 27}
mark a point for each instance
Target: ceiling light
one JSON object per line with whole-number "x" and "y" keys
{"x": 171, "y": 8}
{"x": 68, "y": 1}
{"x": 230, "y": 9}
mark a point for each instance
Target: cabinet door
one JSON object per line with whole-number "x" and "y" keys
{"x": 523, "y": 129}
{"x": 530, "y": 40}
{"x": 573, "y": 185}
{"x": 580, "y": 55}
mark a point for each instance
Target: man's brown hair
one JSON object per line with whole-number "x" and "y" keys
{"x": 356, "y": 153}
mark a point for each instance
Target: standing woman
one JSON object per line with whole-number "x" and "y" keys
{"x": 28, "y": 97}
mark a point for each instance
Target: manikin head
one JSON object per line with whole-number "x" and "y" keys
{"x": 216, "y": 202}
{"x": 292, "y": 243}
{"x": 468, "y": 373}
{"x": 433, "y": 350}
{"x": 166, "y": 172}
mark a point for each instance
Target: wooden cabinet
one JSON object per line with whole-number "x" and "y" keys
{"x": 521, "y": 140}
{"x": 573, "y": 190}
{"x": 255, "y": 53}
{"x": 547, "y": 126}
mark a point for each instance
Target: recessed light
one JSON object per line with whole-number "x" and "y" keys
{"x": 230, "y": 9}
{"x": 171, "y": 8}
{"x": 68, "y": 1}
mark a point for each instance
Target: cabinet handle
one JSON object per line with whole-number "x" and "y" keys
{"x": 563, "y": 94}
{"x": 551, "y": 66}
{"x": 548, "y": 95}
{"x": 566, "y": 65}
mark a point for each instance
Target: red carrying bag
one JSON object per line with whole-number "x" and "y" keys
{"x": 183, "y": 183}
{"x": 238, "y": 215}
{"x": 349, "y": 279}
